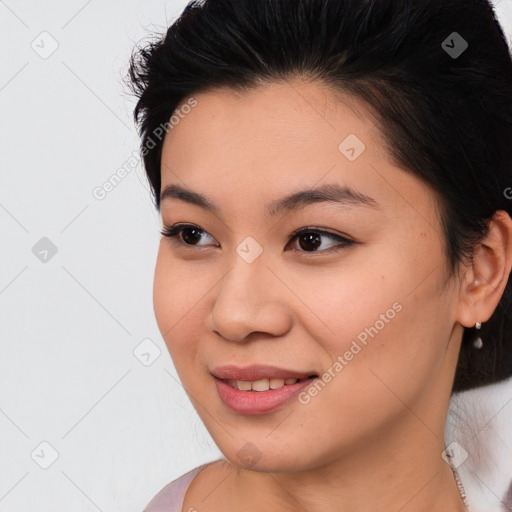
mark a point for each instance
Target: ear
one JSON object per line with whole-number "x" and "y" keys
{"x": 485, "y": 280}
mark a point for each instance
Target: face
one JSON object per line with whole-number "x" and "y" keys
{"x": 353, "y": 306}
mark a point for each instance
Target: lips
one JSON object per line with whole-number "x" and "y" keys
{"x": 258, "y": 372}
{"x": 259, "y": 402}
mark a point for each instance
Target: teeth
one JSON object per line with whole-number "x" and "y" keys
{"x": 276, "y": 383}
{"x": 261, "y": 384}
{"x": 243, "y": 385}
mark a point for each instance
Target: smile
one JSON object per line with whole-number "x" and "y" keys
{"x": 261, "y": 384}
{"x": 259, "y": 389}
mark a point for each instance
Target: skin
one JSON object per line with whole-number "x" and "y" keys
{"x": 372, "y": 438}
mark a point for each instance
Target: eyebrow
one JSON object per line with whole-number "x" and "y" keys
{"x": 326, "y": 193}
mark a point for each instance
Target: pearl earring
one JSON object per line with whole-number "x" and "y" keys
{"x": 478, "y": 343}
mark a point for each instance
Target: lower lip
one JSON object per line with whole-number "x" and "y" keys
{"x": 258, "y": 402}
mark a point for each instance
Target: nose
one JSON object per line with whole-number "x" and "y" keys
{"x": 250, "y": 299}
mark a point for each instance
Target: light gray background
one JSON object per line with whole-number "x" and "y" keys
{"x": 69, "y": 326}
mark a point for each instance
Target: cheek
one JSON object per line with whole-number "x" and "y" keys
{"x": 176, "y": 288}
{"x": 381, "y": 314}
{"x": 163, "y": 294}
{"x": 362, "y": 295}
{"x": 176, "y": 303}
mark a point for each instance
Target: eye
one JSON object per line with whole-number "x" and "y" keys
{"x": 184, "y": 234}
{"x": 309, "y": 238}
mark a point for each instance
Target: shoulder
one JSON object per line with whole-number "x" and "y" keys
{"x": 171, "y": 497}
{"x": 210, "y": 480}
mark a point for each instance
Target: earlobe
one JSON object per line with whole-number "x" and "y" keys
{"x": 486, "y": 279}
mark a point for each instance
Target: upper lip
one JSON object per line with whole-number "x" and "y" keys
{"x": 257, "y": 372}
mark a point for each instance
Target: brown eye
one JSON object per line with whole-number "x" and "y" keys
{"x": 311, "y": 239}
{"x": 185, "y": 234}
{"x": 191, "y": 235}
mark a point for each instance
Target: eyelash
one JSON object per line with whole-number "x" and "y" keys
{"x": 173, "y": 233}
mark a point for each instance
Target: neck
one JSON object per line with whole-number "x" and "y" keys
{"x": 401, "y": 470}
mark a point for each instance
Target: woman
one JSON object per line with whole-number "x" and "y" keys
{"x": 334, "y": 181}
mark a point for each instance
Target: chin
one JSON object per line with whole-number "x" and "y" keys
{"x": 266, "y": 465}
{"x": 264, "y": 457}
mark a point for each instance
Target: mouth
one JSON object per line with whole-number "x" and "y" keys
{"x": 259, "y": 372}
{"x": 264, "y": 384}
{"x": 259, "y": 389}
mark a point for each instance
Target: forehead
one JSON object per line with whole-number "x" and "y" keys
{"x": 280, "y": 137}
{"x": 273, "y": 126}
{"x": 302, "y": 110}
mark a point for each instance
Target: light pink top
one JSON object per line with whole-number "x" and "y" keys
{"x": 171, "y": 497}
